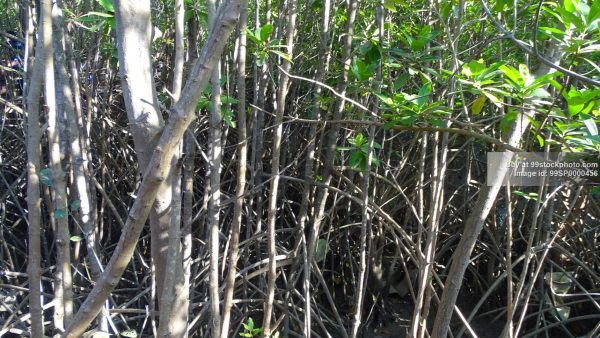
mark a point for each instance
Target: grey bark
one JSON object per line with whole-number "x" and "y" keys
{"x": 214, "y": 202}
{"x": 55, "y": 97}
{"x": 157, "y": 170}
{"x": 275, "y": 170}
{"x": 34, "y": 135}
{"x": 474, "y": 224}
{"x": 134, "y": 31}
{"x": 241, "y": 170}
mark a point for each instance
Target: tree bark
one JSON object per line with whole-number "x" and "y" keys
{"x": 275, "y": 170}
{"x": 242, "y": 150}
{"x": 157, "y": 170}
{"x": 55, "y": 98}
{"x": 134, "y": 31}
{"x": 474, "y": 224}
{"x": 34, "y": 136}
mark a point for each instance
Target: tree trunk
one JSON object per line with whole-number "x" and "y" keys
{"x": 474, "y": 224}
{"x": 34, "y": 136}
{"x": 275, "y": 170}
{"x": 157, "y": 170}
{"x": 241, "y": 171}
{"x": 55, "y": 99}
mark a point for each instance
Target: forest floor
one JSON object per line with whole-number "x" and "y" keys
{"x": 398, "y": 316}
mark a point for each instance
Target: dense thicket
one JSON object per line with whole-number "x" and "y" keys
{"x": 333, "y": 180}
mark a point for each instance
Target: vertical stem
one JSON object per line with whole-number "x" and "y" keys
{"x": 215, "y": 186}
{"x": 241, "y": 170}
{"x": 275, "y": 170}
{"x": 63, "y": 308}
{"x": 322, "y": 65}
{"x": 179, "y": 49}
{"x": 33, "y": 166}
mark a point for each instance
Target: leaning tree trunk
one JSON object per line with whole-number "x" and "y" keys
{"x": 134, "y": 29}
{"x": 158, "y": 167}
{"x": 175, "y": 296}
{"x": 474, "y": 224}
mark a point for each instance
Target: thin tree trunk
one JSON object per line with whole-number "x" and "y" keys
{"x": 214, "y": 202}
{"x": 80, "y": 176}
{"x": 331, "y": 138}
{"x": 474, "y": 224}
{"x": 322, "y": 64}
{"x": 241, "y": 172}
{"x": 63, "y": 309}
{"x": 134, "y": 40}
{"x": 258, "y": 121}
{"x": 157, "y": 170}
{"x": 275, "y": 170}
{"x": 34, "y": 136}
{"x": 173, "y": 316}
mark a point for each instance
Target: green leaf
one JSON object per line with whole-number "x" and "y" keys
{"x": 100, "y": 14}
{"x": 75, "y": 238}
{"x": 569, "y": 5}
{"x": 474, "y": 68}
{"x": 590, "y": 49}
{"x": 424, "y": 94}
{"x": 107, "y": 5}
{"x": 60, "y": 213}
{"x": 356, "y": 159}
{"x": 495, "y": 100}
{"x": 401, "y": 81}
{"x": 361, "y": 70}
{"x": 540, "y": 140}
{"x": 321, "y": 250}
{"x": 525, "y": 75}
{"x": 46, "y": 177}
{"x": 389, "y": 5}
{"x": 477, "y": 105}
{"x": 591, "y": 126}
{"x": 512, "y": 74}
{"x": 540, "y": 92}
{"x": 527, "y": 196}
{"x": 285, "y": 56}
{"x": 359, "y": 140}
{"x": 252, "y": 36}
{"x": 499, "y": 7}
{"x": 507, "y": 121}
{"x": 265, "y": 32}
{"x": 75, "y": 205}
{"x": 388, "y": 101}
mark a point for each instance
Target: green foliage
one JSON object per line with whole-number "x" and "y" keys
{"x": 60, "y": 213}
{"x": 46, "y": 177}
{"x": 528, "y": 196}
{"x": 75, "y": 205}
{"x": 321, "y": 250}
{"x": 359, "y": 152}
{"x": 250, "y": 330}
{"x": 261, "y": 38}
{"x": 108, "y": 5}
{"x": 75, "y": 238}
{"x": 227, "y": 114}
